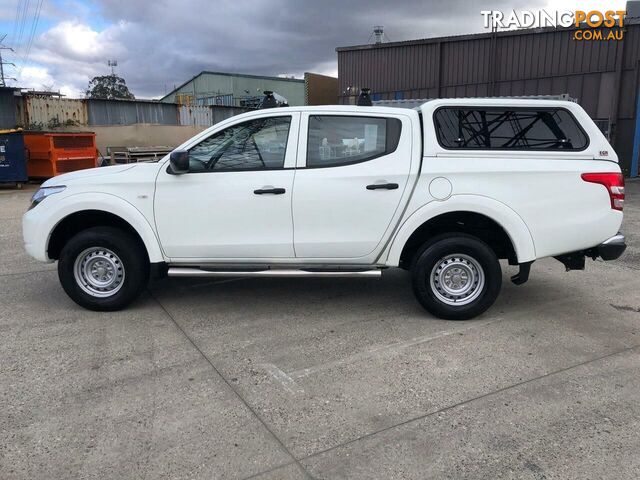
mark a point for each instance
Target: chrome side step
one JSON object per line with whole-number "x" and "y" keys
{"x": 283, "y": 273}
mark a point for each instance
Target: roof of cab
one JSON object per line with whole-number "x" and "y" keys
{"x": 427, "y": 104}
{"x": 427, "y": 108}
{"x": 333, "y": 108}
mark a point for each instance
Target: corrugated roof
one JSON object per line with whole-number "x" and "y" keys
{"x": 227, "y": 74}
{"x": 469, "y": 36}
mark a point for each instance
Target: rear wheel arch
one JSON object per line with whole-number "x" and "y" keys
{"x": 471, "y": 208}
{"x": 471, "y": 223}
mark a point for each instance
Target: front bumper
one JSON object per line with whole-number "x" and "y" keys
{"x": 611, "y": 248}
{"x": 34, "y": 234}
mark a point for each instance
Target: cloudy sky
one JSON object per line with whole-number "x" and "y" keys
{"x": 61, "y": 44}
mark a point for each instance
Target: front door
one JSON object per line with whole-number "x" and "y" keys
{"x": 235, "y": 202}
{"x": 352, "y": 177}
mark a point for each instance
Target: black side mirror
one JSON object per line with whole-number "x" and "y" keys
{"x": 179, "y": 161}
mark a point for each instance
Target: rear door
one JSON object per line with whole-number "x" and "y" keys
{"x": 351, "y": 181}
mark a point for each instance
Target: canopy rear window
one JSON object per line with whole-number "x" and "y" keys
{"x": 509, "y": 129}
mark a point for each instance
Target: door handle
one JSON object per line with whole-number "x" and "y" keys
{"x": 274, "y": 191}
{"x": 382, "y": 186}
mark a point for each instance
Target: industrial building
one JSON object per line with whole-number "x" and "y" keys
{"x": 603, "y": 76}
{"x": 320, "y": 89}
{"x": 235, "y": 89}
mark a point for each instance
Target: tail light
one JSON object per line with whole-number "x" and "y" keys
{"x": 613, "y": 182}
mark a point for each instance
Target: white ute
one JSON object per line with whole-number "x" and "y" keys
{"x": 444, "y": 190}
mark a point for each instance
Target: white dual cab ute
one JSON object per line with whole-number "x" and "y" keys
{"x": 444, "y": 190}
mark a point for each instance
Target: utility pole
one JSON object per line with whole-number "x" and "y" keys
{"x": 113, "y": 64}
{"x": 3, "y": 79}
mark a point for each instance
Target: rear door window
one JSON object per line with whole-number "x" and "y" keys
{"x": 342, "y": 140}
{"x": 509, "y": 129}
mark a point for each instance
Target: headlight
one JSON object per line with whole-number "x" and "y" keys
{"x": 43, "y": 193}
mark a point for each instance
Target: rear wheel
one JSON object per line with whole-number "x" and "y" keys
{"x": 456, "y": 276}
{"x": 103, "y": 268}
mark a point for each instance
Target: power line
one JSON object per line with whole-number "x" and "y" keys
{"x": 15, "y": 23}
{"x": 3, "y": 79}
{"x": 34, "y": 27}
{"x": 23, "y": 21}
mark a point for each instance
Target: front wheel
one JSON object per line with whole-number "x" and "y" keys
{"x": 103, "y": 268}
{"x": 456, "y": 276}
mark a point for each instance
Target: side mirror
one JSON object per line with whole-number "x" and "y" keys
{"x": 179, "y": 162}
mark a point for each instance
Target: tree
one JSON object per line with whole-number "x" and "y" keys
{"x": 110, "y": 87}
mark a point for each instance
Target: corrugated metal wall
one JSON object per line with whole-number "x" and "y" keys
{"x": 222, "y": 113}
{"x": 114, "y": 112}
{"x": 45, "y": 110}
{"x": 507, "y": 63}
{"x": 49, "y": 112}
{"x": 195, "y": 115}
{"x": 602, "y": 75}
{"x": 206, "y": 115}
{"x": 320, "y": 89}
{"x": 7, "y": 108}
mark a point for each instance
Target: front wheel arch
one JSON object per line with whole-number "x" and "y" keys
{"x": 73, "y": 224}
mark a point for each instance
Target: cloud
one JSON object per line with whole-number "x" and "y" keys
{"x": 40, "y": 78}
{"x": 162, "y": 44}
{"x": 36, "y": 75}
{"x": 67, "y": 55}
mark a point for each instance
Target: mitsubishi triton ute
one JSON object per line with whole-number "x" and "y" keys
{"x": 445, "y": 191}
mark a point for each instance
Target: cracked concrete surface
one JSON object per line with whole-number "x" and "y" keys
{"x": 318, "y": 378}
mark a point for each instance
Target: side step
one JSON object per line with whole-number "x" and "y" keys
{"x": 283, "y": 273}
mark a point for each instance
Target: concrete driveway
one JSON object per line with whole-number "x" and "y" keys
{"x": 292, "y": 379}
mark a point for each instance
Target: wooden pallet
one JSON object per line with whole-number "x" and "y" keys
{"x": 137, "y": 154}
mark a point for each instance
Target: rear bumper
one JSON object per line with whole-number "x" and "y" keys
{"x": 611, "y": 248}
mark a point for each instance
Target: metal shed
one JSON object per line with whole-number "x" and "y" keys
{"x": 233, "y": 89}
{"x": 602, "y": 75}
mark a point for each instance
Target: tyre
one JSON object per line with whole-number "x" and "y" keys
{"x": 103, "y": 268}
{"x": 456, "y": 276}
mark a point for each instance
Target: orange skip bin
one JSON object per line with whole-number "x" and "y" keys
{"x": 52, "y": 153}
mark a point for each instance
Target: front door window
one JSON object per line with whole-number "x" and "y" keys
{"x": 259, "y": 144}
